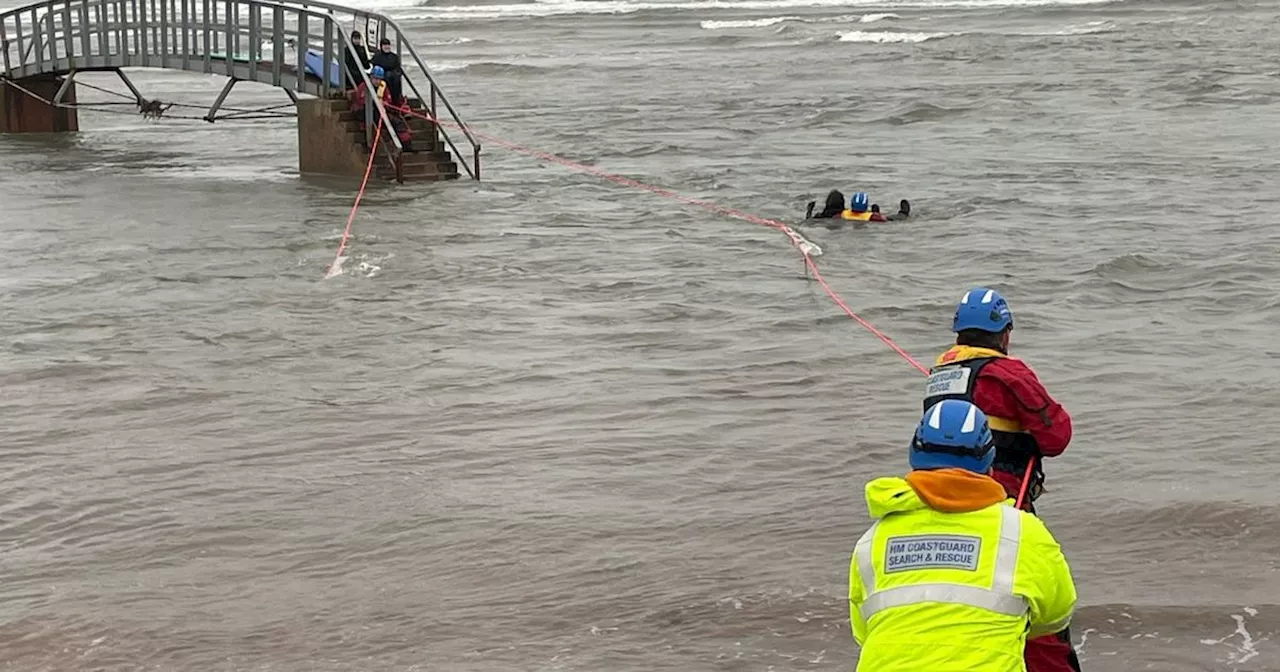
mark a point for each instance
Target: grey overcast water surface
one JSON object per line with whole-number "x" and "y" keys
{"x": 546, "y": 422}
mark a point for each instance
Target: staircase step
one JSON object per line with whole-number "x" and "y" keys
{"x": 445, "y": 167}
{"x": 422, "y": 144}
{"x": 427, "y": 157}
{"x": 420, "y": 128}
{"x": 416, "y": 176}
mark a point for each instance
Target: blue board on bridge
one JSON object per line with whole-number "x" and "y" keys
{"x": 315, "y": 63}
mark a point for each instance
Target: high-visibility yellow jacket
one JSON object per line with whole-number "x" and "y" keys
{"x": 951, "y": 577}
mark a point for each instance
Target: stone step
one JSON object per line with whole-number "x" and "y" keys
{"x": 418, "y": 173}
{"x": 423, "y": 143}
{"x": 419, "y": 127}
{"x": 427, "y": 157}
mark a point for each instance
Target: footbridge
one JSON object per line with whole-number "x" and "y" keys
{"x": 298, "y": 47}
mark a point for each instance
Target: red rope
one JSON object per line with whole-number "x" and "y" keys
{"x": 336, "y": 267}
{"x": 706, "y": 205}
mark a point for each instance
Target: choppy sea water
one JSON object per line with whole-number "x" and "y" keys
{"x": 553, "y": 423}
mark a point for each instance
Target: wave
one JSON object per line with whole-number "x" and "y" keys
{"x": 1091, "y": 28}
{"x": 450, "y": 41}
{"x": 773, "y": 20}
{"x": 747, "y": 23}
{"x": 885, "y": 37}
{"x": 576, "y": 7}
{"x": 486, "y": 68}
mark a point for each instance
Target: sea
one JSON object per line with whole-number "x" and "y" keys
{"x": 549, "y": 421}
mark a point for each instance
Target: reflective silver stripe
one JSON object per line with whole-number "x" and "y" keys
{"x": 866, "y": 564}
{"x": 1000, "y": 598}
{"x": 948, "y": 593}
{"x": 1007, "y": 550}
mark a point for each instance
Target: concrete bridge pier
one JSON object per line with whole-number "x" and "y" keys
{"x": 21, "y": 113}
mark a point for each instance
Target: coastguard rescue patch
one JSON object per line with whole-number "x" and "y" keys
{"x": 948, "y": 381}
{"x": 932, "y": 551}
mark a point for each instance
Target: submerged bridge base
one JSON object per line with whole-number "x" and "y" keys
{"x": 20, "y": 113}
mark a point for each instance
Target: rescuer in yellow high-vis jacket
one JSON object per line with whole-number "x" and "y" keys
{"x": 951, "y": 577}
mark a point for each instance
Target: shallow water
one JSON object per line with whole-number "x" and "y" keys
{"x": 558, "y": 424}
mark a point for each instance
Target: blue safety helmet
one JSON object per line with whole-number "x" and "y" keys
{"x": 953, "y": 434}
{"x": 983, "y": 309}
{"x": 377, "y": 72}
{"x": 859, "y": 202}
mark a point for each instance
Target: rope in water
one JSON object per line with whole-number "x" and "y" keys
{"x": 804, "y": 247}
{"x": 335, "y": 268}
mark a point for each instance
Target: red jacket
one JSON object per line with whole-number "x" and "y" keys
{"x": 1008, "y": 388}
{"x": 358, "y": 98}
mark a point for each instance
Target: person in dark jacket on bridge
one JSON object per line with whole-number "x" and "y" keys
{"x": 357, "y": 60}
{"x": 389, "y": 60}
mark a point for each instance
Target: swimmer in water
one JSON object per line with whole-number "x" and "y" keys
{"x": 875, "y": 214}
{"x": 833, "y": 208}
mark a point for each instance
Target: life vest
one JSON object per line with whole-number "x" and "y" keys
{"x": 954, "y": 376}
{"x": 856, "y": 216}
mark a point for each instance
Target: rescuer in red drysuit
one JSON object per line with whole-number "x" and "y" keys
{"x": 394, "y": 114}
{"x": 1026, "y": 423}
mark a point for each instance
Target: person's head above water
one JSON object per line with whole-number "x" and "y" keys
{"x": 859, "y": 202}
{"x": 835, "y": 203}
{"x": 983, "y": 320}
{"x": 875, "y": 207}
{"x": 904, "y": 207}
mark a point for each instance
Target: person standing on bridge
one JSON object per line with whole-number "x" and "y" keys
{"x": 1026, "y": 422}
{"x": 951, "y": 577}
{"x": 357, "y": 60}
{"x": 389, "y": 61}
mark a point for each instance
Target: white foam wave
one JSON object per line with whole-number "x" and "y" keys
{"x": 887, "y": 37}
{"x": 1091, "y": 28}
{"x": 573, "y": 7}
{"x": 445, "y": 43}
{"x": 446, "y": 66}
{"x": 747, "y": 23}
{"x": 773, "y": 20}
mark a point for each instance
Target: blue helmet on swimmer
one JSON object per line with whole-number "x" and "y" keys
{"x": 860, "y": 202}
{"x": 983, "y": 309}
{"x": 953, "y": 434}
{"x": 377, "y": 72}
